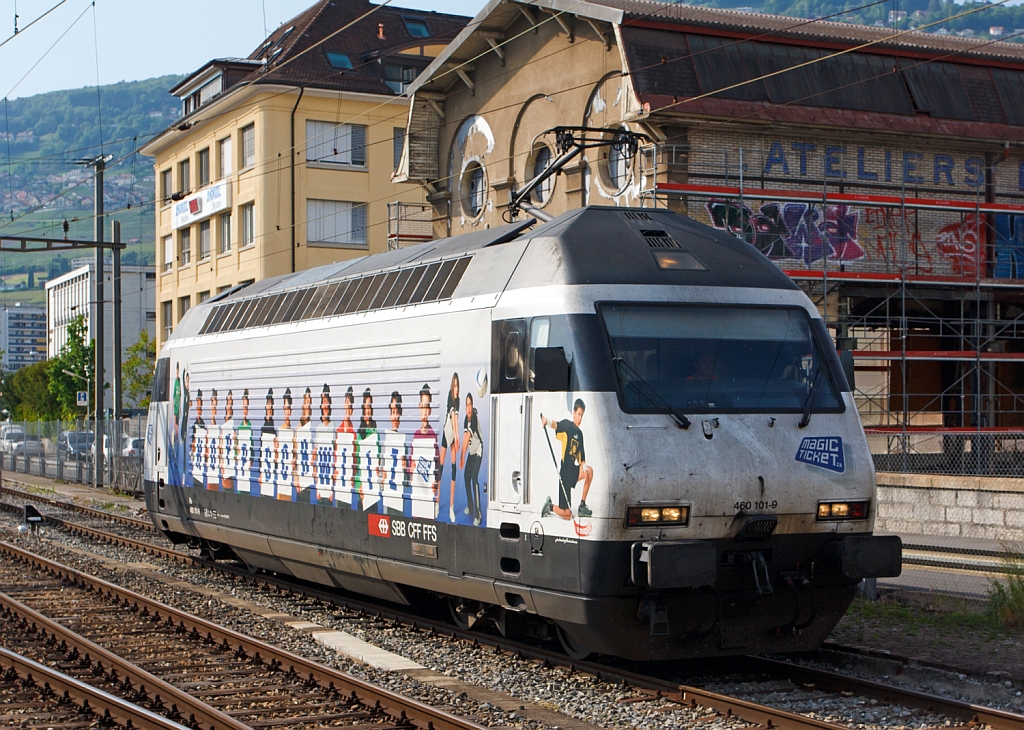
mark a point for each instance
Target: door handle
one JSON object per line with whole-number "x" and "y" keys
{"x": 517, "y": 478}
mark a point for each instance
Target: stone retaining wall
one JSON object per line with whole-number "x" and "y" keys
{"x": 970, "y": 507}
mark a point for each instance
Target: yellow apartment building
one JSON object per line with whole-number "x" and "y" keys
{"x": 283, "y": 161}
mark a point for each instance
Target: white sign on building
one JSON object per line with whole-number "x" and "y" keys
{"x": 201, "y": 205}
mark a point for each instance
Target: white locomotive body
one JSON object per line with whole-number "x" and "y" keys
{"x": 623, "y": 426}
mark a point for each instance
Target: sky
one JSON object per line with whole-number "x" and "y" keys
{"x": 139, "y": 39}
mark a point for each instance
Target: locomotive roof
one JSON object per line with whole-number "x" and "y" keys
{"x": 593, "y": 245}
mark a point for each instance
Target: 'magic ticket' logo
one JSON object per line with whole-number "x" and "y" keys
{"x": 823, "y": 451}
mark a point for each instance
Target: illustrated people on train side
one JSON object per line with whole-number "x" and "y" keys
{"x": 450, "y": 439}
{"x": 246, "y": 446}
{"x": 425, "y": 477}
{"x": 228, "y": 458}
{"x": 574, "y": 468}
{"x": 284, "y": 451}
{"x": 185, "y": 406}
{"x": 197, "y": 445}
{"x": 268, "y": 448}
{"x": 345, "y": 459}
{"x": 323, "y": 459}
{"x": 396, "y": 459}
{"x": 176, "y": 401}
{"x": 471, "y": 459}
{"x": 305, "y": 484}
{"x": 370, "y": 473}
{"x": 210, "y": 448}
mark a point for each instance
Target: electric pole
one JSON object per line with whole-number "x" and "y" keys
{"x": 117, "y": 325}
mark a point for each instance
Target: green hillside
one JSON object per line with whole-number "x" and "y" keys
{"x": 907, "y": 14}
{"x": 42, "y": 136}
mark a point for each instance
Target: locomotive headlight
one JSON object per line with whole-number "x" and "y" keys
{"x": 668, "y": 515}
{"x": 843, "y": 510}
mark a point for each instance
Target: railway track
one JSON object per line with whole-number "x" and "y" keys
{"x": 651, "y": 687}
{"x": 209, "y": 675}
{"x": 34, "y": 695}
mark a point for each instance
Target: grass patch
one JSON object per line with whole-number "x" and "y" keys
{"x": 1006, "y": 596}
{"x": 915, "y": 612}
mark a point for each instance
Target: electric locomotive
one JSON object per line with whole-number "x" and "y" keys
{"x": 620, "y": 428}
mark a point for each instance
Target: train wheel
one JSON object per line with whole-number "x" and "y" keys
{"x": 462, "y": 617}
{"x": 569, "y": 645}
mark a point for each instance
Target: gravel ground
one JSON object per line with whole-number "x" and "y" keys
{"x": 554, "y": 689}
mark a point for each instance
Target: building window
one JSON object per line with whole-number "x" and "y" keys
{"x": 248, "y": 146}
{"x": 184, "y": 175}
{"x": 417, "y": 28}
{"x": 168, "y": 317}
{"x": 204, "y": 296}
{"x": 224, "y": 158}
{"x": 398, "y": 142}
{"x": 399, "y": 77}
{"x": 248, "y": 212}
{"x": 168, "y": 253}
{"x": 339, "y": 61}
{"x": 618, "y": 167}
{"x": 474, "y": 189}
{"x": 184, "y": 304}
{"x": 204, "y": 240}
{"x": 203, "y": 167}
{"x": 333, "y": 221}
{"x": 166, "y": 186}
{"x": 541, "y": 162}
{"x": 185, "y": 246}
{"x": 339, "y": 144}
{"x": 225, "y": 232}
{"x": 222, "y": 289}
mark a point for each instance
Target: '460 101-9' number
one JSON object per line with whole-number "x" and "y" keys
{"x": 744, "y": 506}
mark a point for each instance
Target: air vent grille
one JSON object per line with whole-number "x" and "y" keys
{"x": 411, "y": 285}
{"x": 659, "y": 239}
{"x": 758, "y": 527}
{"x": 637, "y": 216}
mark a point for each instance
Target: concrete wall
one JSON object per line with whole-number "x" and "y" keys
{"x": 969, "y": 507}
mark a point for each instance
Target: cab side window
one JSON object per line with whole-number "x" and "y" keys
{"x": 508, "y": 356}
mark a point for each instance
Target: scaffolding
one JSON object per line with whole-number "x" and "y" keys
{"x": 409, "y": 224}
{"x": 923, "y": 286}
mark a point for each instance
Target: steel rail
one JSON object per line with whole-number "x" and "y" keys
{"x": 670, "y": 691}
{"x": 72, "y": 507}
{"x": 129, "y": 714}
{"x": 185, "y": 703}
{"x": 402, "y": 709}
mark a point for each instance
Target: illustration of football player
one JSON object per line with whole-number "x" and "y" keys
{"x": 426, "y": 463}
{"x": 323, "y": 461}
{"x": 471, "y": 459}
{"x": 396, "y": 459}
{"x": 450, "y": 439}
{"x": 305, "y": 482}
{"x": 574, "y": 468}
{"x": 228, "y": 457}
{"x": 212, "y": 446}
{"x": 345, "y": 462}
{"x": 246, "y": 450}
{"x": 284, "y": 451}
{"x": 370, "y": 473}
{"x": 197, "y": 446}
{"x": 268, "y": 449}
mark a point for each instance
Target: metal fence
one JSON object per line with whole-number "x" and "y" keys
{"x": 67, "y": 450}
{"x": 951, "y": 452}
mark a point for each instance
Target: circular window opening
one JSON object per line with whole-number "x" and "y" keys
{"x": 473, "y": 186}
{"x": 541, "y": 162}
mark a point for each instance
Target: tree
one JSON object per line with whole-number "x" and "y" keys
{"x": 28, "y": 394}
{"x": 137, "y": 370}
{"x": 79, "y": 358}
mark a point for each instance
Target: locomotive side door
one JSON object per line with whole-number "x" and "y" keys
{"x": 509, "y": 405}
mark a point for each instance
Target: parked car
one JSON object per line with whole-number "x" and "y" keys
{"x": 133, "y": 447}
{"x": 27, "y": 445}
{"x": 8, "y": 435}
{"x": 106, "y": 447}
{"x": 75, "y": 445}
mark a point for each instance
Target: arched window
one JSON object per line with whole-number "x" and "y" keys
{"x": 618, "y": 167}
{"x": 474, "y": 187}
{"x": 541, "y": 162}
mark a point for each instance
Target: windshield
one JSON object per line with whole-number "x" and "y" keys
{"x": 717, "y": 359}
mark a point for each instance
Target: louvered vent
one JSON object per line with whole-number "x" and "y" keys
{"x": 637, "y": 216}
{"x": 659, "y": 239}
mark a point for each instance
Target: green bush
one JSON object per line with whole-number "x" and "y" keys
{"x": 1006, "y": 596}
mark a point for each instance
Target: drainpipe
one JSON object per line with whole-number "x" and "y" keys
{"x": 294, "y": 109}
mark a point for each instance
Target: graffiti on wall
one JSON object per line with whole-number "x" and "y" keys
{"x": 874, "y": 238}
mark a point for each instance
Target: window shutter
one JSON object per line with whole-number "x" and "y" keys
{"x": 358, "y": 230}
{"x": 358, "y": 144}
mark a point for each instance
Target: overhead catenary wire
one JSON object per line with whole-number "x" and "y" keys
{"x": 21, "y": 31}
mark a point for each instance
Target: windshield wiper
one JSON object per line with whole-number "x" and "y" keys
{"x": 681, "y": 420}
{"x": 809, "y": 402}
